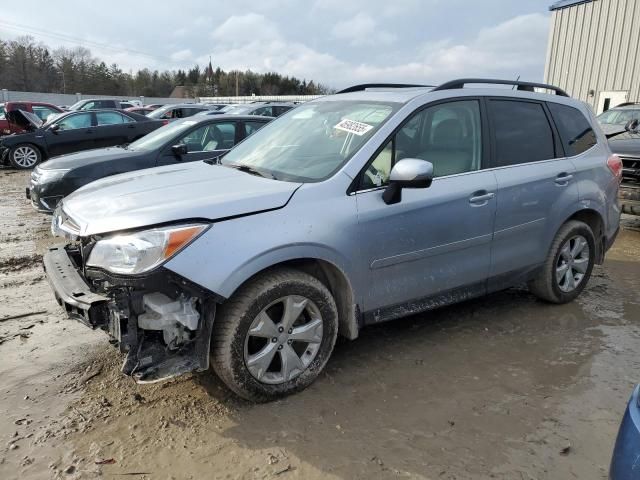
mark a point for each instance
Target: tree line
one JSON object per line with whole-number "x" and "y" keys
{"x": 31, "y": 66}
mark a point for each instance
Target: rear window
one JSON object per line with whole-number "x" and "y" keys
{"x": 521, "y": 131}
{"x": 575, "y": 130}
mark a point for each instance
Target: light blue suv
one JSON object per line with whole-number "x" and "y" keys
{"x": 353, "y": 209}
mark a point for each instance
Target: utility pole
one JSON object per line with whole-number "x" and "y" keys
{"x": 236, "y": 83}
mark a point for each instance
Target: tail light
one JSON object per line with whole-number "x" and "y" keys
{"x": 615, "y": 165}
{"x": 165, "y": 122}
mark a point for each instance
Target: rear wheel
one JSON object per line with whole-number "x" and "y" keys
{"x": 568, "y": 266}
{"x": 24, "y": 156}
{"x": 274, "y": 336}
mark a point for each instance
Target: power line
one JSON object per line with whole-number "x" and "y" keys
{"x": 76, "y": 40}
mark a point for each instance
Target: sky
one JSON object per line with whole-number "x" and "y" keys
{"x": 334, "y": 42}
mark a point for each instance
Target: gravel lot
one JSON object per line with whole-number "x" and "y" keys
{"x": 500, "y": 387}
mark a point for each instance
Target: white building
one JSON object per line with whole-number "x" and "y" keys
{"x": 594, "y": 51}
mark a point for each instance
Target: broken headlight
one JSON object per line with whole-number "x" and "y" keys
{"x": 142, "y": 251}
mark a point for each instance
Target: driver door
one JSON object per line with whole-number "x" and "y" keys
{"x": 76, "y": 132}
{"x": 434, "y": 246}
{"x": 205, "y": 142}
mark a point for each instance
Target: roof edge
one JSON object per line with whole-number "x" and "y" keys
{"x": 567, "y": 3}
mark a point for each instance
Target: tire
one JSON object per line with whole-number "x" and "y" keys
{"x": 25, "y": 156}
{"x": 254, "y": 355}
{"x": 551, "y": 284}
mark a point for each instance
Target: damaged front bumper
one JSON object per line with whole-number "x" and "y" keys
{"x": 162, "y": 321}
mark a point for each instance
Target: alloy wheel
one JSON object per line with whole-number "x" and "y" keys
{"x": 283, "y": 339}
{"x": 572, "y": 263}
{"x": 26, "y": 157}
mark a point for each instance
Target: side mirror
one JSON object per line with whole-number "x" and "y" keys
{"x": 632, "y": 125}
{"x": 407, "y": 173}
{"x": 54, "y": 128}
{"x": 179, "y": 149}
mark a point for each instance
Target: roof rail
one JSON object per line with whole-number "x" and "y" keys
{"x": 524, "y": 86}
{"x": 364, "y": 86}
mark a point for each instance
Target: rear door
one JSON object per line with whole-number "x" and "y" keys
{"x": 535, "y": 182}
{"x": 113, "y": 128}
{"x": 76, "y": 132}
{"x": 204, "y": 142}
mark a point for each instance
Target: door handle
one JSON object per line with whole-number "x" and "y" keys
{"x": 481, "y": 198}
{"x": 563, "y": 179}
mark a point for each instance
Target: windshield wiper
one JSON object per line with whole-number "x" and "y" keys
{"x": 251, "y": 170}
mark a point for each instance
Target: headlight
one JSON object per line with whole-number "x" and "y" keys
{"x": 142, "y": 251}
{"x": 42, "y": 175}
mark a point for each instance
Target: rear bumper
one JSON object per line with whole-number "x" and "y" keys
{"x": 624, "y": 462}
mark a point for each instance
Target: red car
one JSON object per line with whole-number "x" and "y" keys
{"x": 42, "y": 110}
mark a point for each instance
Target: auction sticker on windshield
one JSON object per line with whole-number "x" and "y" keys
{"x": 351, "y": 126}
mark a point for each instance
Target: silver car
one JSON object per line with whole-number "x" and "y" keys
{"x": 350, "y": 210}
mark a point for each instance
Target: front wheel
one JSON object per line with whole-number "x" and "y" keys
{"x": 568, "y": 266}
{"x": 24, "y": 156}
{"x": 274, "y": 336}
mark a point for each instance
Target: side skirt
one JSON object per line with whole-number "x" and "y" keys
{"x": 424, "y": 304}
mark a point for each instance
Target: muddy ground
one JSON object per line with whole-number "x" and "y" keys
{"x": 502, "y": 387}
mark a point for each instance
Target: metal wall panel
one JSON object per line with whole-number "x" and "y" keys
{"x": 595, "y": 47}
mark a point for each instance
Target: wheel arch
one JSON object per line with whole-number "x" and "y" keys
{"x": 335, "y": 279}
{"x": 594, "y": 219}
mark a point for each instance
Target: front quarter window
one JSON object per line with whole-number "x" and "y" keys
{"x": 311, "y": 142}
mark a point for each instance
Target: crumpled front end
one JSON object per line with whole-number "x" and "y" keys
{"x": 162, "y": 321}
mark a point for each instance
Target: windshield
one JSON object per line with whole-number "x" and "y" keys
{"x": 310, "y": 143}
{"x": 2, "y": 117}
{"x": 161, "y": 136}
{"x": 618, "y": 117}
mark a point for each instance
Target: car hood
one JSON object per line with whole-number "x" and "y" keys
{"x": 195, "y": 190}
{"x": 626, "y": 144}
{"x": 26, "y": 120}
{"x": 88, "y": 157}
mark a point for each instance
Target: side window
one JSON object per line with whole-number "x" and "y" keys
{"x": 72, "y": 122}
{"x": 89, "y": 106}
{"x": 265, "y": 111}
{"x": 251, "y": 127}
{"x": 109, "y": 118}
{"x": 575, "y": 130}
{"x": 277, "y": 111}
{"x": 194, "y": 140}
{"x": 522, "y": 132}
{"x": 221, "y": 136}
{"x": 207, "y": 138}
{"x": 448, "y": 135}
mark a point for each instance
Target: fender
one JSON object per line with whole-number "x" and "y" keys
{"x": 296, "y": 251}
